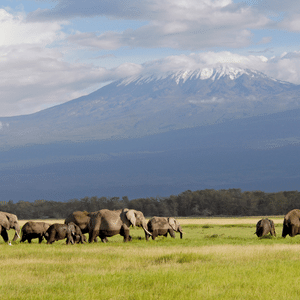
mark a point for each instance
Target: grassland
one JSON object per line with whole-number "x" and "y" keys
{"x": 216, "y": 259}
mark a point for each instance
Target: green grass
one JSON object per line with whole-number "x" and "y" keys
{"x": 210, "y": 262}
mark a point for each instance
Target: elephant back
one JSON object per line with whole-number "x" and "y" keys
{"x": 293, "y": 216}
{"x": 265, "y": 226}
{"x": 80, "y": 218}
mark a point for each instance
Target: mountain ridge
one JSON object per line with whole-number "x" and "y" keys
{"x": 234, "y": 154}
{"x": 158, "y": 137}
{"x": 138, "y": 108}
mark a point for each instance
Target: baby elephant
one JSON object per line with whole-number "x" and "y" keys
{"x": 264, "y": 226}
{"x": 61, "y": 231}
{"x": 79, "y": 237}
{"x": 32, "y": 230}
{"x": 163, "y": 226}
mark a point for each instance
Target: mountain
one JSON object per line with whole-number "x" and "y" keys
{"x": 153, "y": 104}
{"x": 157, "y": 135}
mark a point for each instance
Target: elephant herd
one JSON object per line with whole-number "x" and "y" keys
{"x": 106, "y": 223}
{"x": 291, "y": 225}
{"x": 103, "y": 224}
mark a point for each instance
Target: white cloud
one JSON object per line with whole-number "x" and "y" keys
{"x": 175, "y": 24}
{"x": 15, "y": 31}
{"x": 292, "y": 23}
{"x": 285, "y": 67}
{"x": 105, "y": 41}
{"x": 34, "y": 76}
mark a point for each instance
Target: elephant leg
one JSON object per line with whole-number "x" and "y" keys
{"x": 4, "y": 235}
{"x": 104, "y": 239}
{"x": 29, "y": 240}
{"x": 147, "y": 236}
{"x": 154, "y": 234}
{"x": 40, "y": 239}
{"x": 23, "y": 238}
{"x": 51, "y": 238}
{"x": 70, "y": 240}
{"x": 172, "y": 233}
{"x": 294, "y": 230}
{"x": 93, "y": 235}
{"x": 125, "y": 233}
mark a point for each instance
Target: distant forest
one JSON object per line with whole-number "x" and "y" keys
{"x": 209, "y": 202}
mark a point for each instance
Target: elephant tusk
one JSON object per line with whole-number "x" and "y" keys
{"x": 9, "y": 244}
{"x": 149, "y": 233}
{"x": 18, "y": 235}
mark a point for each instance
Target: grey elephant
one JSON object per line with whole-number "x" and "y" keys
{"x": 81, "y": 219}
{"x": 58, "y": 232}
{"x": 291, "y": 223}
{"x": 32, "y": 230}
{"x": 106, "y": 223}
{"x": 162, "y": 226}
{"x": 78, "y": 237}
{"x": 265, "y": 226}
{"x": 9, "y": 221}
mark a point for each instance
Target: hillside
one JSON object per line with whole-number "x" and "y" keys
{"x": 157, "y": 135}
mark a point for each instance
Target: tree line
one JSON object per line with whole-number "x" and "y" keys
{"x": 208, "y": 202}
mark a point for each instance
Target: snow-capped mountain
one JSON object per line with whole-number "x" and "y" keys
{"x": 157, "y": 134}
{"x": 212, "y": 73}
{"x": 150, "y": 104}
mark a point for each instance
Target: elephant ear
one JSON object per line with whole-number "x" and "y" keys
{"x": 130, "y": 215}
{"x": 5, "y": 222}
{"x": 172, "y": 223}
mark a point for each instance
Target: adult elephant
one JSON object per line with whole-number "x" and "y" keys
{"x": 32, "y": 230}
{"x": 162, "y": 226}
{"x": 81, "y": 219}
{"x": 265, "y": 226}
{"x": 106, "y": 223}
{"x": 58, "y": 232}
{"x": 9, "y": 221}
{"x": 291, "y": 223}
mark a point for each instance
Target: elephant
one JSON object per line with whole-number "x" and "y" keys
{"x": 291, "y": 223}
{"x": 106, "y": 223}
{"x": 81, "y": 219}
{"x": 32, "y": 230}
{"x": 9, "y": 221}
{"x": 163, "y": 226}
{"x": 61, "y": 231}
{"x": 78, "y": 236}
{"x": 265, "y": 226}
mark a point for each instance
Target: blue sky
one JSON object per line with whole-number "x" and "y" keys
{"x": 54, "y": 51}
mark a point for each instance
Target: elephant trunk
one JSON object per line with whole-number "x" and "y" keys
{"x": 180, "y": 230}
{"x": 17, "y": 234}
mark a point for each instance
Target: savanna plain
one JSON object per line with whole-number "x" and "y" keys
{"x": 218, "y": 258}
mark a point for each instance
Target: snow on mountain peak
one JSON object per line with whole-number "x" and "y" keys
{"x": 212, "y": 73}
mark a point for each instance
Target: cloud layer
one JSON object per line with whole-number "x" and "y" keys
{"x": 191, "y": 25}
{"x": 43, "y": 60}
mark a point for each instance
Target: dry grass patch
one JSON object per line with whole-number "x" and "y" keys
{"x": 228, "y": 221}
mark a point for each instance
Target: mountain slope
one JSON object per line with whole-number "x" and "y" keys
{"x": 255, "y": 153}
{"x": 147, "y": 105}
{"x": 157, "y": 135}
